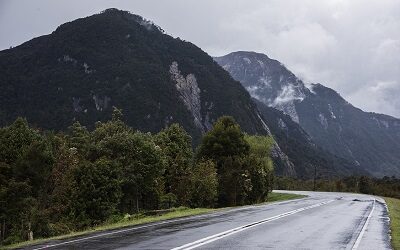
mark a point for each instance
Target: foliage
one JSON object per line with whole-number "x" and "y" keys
{"x": 243, "y": 163}
{"x": 176, "y": 146}
{"x": 394, "y": 214}
{"x": 225, "y": 139}
{"x": 386, "y": 186}
{"x": 97, "y": 192}
{"x": 226, "y": 146}
{"x": 53, "y": 184}
{"x": 260, "y": 167}
{"x": 275, "y": 196}
{"x": 204, "y": 185}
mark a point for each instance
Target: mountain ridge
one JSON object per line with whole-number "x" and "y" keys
{"x": 369, "y": 140}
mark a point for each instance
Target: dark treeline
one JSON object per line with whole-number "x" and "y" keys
{"x": 55, "y": 183}
{"x": 386, "y": 186}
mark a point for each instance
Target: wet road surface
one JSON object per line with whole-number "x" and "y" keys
{"x": 320, "y": 221}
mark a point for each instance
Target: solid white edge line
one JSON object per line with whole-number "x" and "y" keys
{"x": 227, "y": 233}
{"x": 151, "y": 225}
{"x": 358, "y": 241}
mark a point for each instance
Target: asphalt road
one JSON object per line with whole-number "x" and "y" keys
{"x": 320, "y": 221}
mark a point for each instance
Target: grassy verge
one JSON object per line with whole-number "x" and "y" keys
{"x": 132, "y": 221}
{"x": 274, "y": 197}
{"x": 175, "y": 213}
{"x": 394, "y": 214}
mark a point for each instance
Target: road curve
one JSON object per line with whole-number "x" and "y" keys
{"x": 320, "y": 221}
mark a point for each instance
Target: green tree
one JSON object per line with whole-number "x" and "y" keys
{"x": 140, "y": 160}
{"x": 225, "y": 144}
{"x": 204, "y": 184}
{"x": 62, "y": 185}
{"x": 176, "y": 146}
{"x": 97, "y": 192}
{"x": 26, "y": 158}
{"x": 79, "y": 137}
{"x": 260, "y": 167}
{"x": 35, "y": 165}
{"x": 225, "y": 139}
{"x": 15, "y": 139}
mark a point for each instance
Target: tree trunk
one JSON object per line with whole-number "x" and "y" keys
{"x": 4, "y": 229}
{"x": 30, "y": 233}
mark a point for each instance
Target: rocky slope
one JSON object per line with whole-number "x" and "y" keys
{"x": 309, "y": 159}
{"x": 370, "y": 141}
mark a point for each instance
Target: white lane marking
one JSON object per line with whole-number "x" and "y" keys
{"x": 357, "y": 243}
{"x": 227, "y": 233}
{"x": 156, "y": 224}
{"x": 120, "y": 231}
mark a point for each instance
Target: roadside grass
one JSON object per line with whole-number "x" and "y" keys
{"x": 125, "y": 222}
{"x": 394, "y": 214}
{"x": 274, "y": 197}
{"x": 143, "y": 219}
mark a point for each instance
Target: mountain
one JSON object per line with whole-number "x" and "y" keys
{"x": 118, "y": 59}
{"x": 308, "y": 157}
{"x": 115, "y": 58}
{"x": 369, "y": 140}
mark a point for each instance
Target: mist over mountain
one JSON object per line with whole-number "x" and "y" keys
{"x": 369, "y": 140}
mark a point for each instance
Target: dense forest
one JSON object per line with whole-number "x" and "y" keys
{"x": 386, "y": 186}
{"x": 55, "y": 183}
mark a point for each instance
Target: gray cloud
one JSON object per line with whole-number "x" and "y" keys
{"x": 351, "y": 46}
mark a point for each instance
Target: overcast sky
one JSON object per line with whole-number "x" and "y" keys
{"x": 352, "y": 46}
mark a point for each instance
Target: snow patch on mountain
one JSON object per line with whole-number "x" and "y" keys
{"x": 67, "y": 58}
{"x": 282, "y": 125}
{"x": 226, "y": 67}
{"x": 289, "y": 108}
{"x": 331, "y": 111}
{"x": 262, "y": 65}
{"x": 324, "y": 122}
{"x": 247, "y": 60}
{"x": 381, "y": 123}
{"x": 87, "y": 68}
{"x": 266, "y": 82}
{"x": 101, "y": 103}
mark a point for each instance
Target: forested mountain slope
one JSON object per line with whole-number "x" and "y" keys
{"x": 118, "y": 59}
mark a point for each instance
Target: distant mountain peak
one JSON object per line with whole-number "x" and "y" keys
{"x": 267, "y": 80}
{"x": 370, "y": 141}
{"x": 116, "y": 18}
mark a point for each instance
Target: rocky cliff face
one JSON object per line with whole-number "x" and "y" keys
{"x": 368, "y": 140}
{"x": 189, "y": 93}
